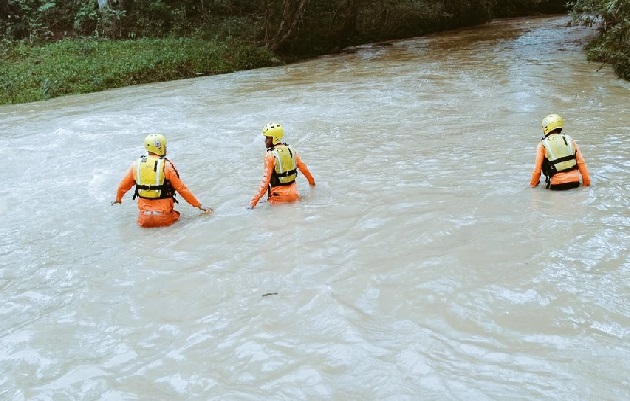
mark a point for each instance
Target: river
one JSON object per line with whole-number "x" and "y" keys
{"x": 420, "y": 267}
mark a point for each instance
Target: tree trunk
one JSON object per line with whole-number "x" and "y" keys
{"x": 292, "y": 13}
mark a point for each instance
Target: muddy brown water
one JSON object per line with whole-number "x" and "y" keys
{"x": 421, "y": 266}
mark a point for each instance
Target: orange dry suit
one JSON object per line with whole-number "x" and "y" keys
{"x": 559, "y": 158}
{"x": 279, "y": 173}
{"x": 156, "y": 181}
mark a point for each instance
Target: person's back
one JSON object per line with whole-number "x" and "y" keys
{"x": 157, "y": 181}
{"x": 559, "y": 158}
{"x": 280, "y": 168}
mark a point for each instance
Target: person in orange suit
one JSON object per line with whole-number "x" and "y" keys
{"x": 559, "y": 158}
{"x": 156, "y": 180}
{"x": 280, "y": 169}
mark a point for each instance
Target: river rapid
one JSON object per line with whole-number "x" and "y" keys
{"x": 420, "y": 267}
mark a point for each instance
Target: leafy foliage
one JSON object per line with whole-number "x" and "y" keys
{"x": 286, "y": 23}
{"x": 612, "y": 44}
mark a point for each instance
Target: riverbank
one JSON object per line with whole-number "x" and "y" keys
{"x": 35, "y": 67}
{"x": 73, "y": 66}
{"x": 80, "y": 47}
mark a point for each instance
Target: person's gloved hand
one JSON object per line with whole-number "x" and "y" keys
{"x": 205, "y": 209}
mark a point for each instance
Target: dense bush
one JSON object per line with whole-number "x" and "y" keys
{"x": 279, "y": 24}
{"x": 612, "y": 18}
{"x": 297, "y": 27}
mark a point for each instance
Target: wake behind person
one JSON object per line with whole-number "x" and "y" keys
{"x": 280, "y": 169}
{"x": 559, "y": 158}
{"x": 156, "y": 180}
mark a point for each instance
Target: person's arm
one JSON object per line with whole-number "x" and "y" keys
{"x": 581, "y": 163}
{"x": 304, "y": 170}
{"x": 125, "y": 184}
{"x": 268, "y": 167}
{"x": 540, "y": 156}
{"x": 171, "y": 174}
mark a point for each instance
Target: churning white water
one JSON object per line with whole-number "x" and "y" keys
{"x": 421, "y": 266}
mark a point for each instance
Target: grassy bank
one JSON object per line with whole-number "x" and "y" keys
{"x": 79, "y": 46}
{"x": 43, "y": 56}
{"x": 72, "y": 66}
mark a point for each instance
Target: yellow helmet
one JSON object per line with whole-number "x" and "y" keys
{"x": 551, "y": 122}
{"x": 275, "y": 131}
{"x": 155, "y": 143}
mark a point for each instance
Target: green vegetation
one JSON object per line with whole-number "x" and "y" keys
{"x": 51, "y": 48}
{"x": 37, "y": 72}
{"x": 612, "y": 44}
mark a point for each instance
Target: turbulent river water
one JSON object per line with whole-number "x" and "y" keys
{"x": 421, "y": 266}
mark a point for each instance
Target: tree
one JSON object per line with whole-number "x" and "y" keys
{"x": 612, "y": 19}
{"x": 292, "y": 13}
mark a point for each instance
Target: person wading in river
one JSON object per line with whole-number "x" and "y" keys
{"x": 558, "y": 158}
{"x": 280, "y": 169}
{"x": 156, "y": 181}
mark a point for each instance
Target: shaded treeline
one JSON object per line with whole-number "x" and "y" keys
{"x": 299, "y": 27}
